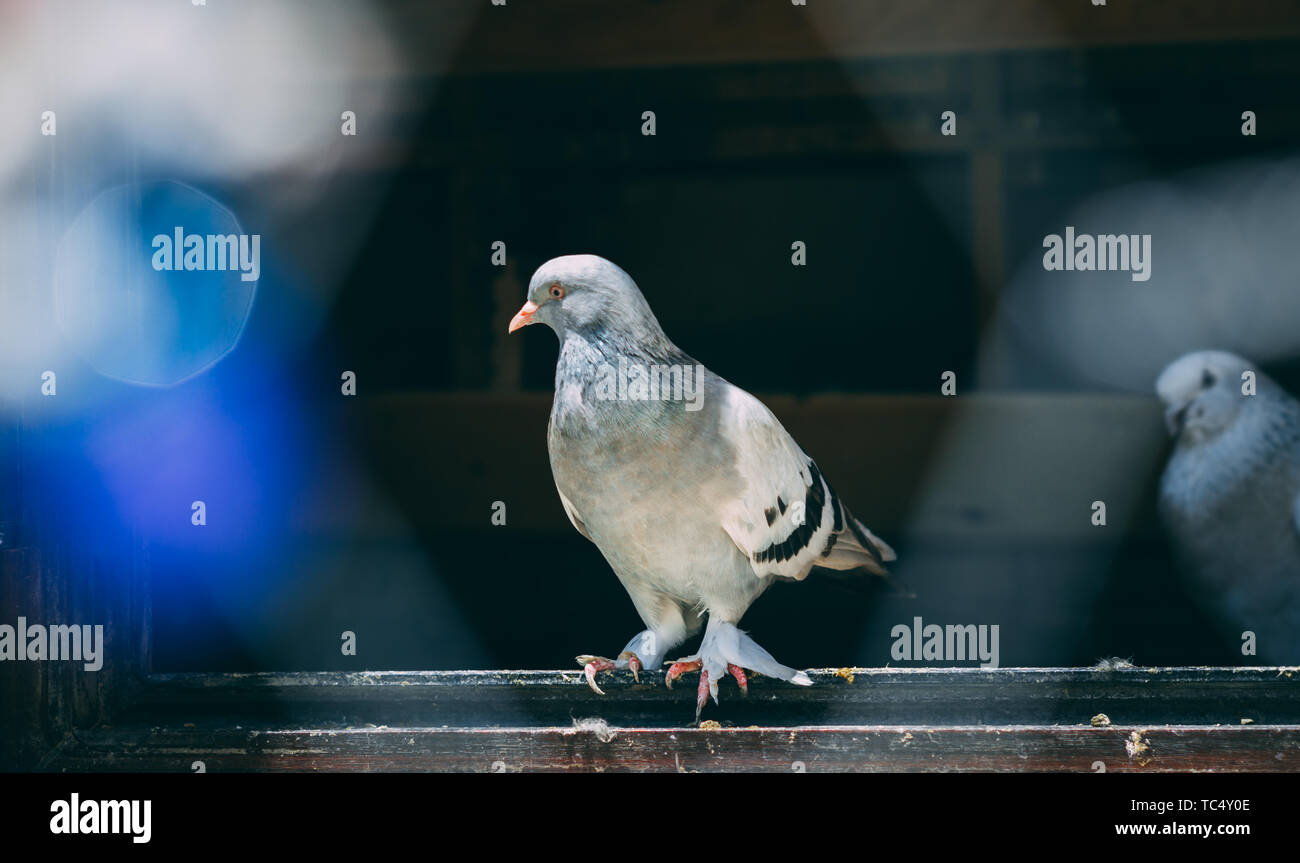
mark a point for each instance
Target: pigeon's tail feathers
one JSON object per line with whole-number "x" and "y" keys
{"x": 858, "y": 548}
{"x": 867, "y": 538}
{"x": 848, "y": 554}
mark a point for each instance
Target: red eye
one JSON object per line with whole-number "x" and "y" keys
{"x": 557, "y": 292}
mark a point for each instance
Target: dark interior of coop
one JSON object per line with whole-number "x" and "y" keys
{"x": 373, "y": 514}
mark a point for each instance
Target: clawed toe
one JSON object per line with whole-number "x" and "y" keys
{"x": 707, "y": 688}
{"x": 633, "y": 663}
{"x": 741, "y": 681}
{"x": 592, "y": 665}
{"x": 680, "y": 667}
{"x": 702, "y": 694}
{"x": 724, "y": 651}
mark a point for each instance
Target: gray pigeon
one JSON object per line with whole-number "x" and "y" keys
{"x": 1230, "y": 495}
{"x": 689, "y": 486}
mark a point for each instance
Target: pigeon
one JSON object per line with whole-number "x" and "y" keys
{"x": 694, "y": 493}
{"x": 1230, "y": 494}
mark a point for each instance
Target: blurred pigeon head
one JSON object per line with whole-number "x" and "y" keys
{"x": 1202, "y": 392}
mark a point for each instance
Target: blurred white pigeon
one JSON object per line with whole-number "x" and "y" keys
{"x": 689, "y": 486}
{"x": 1230, "y": 495}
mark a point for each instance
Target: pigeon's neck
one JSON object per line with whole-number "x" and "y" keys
{"x": 584, "y": 353}
{"x": 595, "y": 380}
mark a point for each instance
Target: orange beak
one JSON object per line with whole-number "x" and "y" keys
{"x": 524, "y": 317}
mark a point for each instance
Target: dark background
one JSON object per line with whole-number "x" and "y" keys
{"x": 767, "y": 134}
{"x": 748, "y": 157}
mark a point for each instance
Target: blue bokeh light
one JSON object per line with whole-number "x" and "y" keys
{"x": 131, "y": 321}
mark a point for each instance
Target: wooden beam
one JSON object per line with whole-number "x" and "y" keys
{"x": 857, "y": 696}
{"x": 1165, "y": 719}
{"x": 591, "y": 34}
{"x": 1163, "y": 749}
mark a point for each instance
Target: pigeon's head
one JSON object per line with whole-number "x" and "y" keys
{"x": 1202, "y": 393}
{"x": 590, "y": 296}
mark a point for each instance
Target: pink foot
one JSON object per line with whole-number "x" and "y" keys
{"x": 591, "y": 665}
{"x": 677, "y": 669}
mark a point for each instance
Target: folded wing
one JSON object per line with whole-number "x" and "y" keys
{"x": 788, "y": 518}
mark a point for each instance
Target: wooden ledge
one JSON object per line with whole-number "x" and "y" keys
{"x": 1015, "y": 719}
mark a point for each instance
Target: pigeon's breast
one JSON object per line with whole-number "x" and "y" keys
{"x": 1232, "y": 520}
{"x": 648, "y": 484}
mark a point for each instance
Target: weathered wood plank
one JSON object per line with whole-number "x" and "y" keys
{"x": 1166, "y": 719}
{"x": 914, "y": 697}
{"x": 614, "y": 749}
